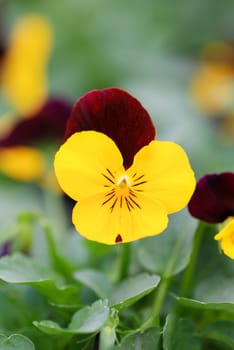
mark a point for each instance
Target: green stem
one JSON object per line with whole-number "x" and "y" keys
{"x": 189, "y": 272}
{"x": 124, "y": 261}
{"x": 59, "y": 263}
{"x": 158, "y": 302}
{"x": 161, "y": 291}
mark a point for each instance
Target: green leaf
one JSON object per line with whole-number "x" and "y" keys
{"x": 221, "y": 332}
{"x": 168, "y": 254}
{"x": 217, "y": 288}
{"x": 180, "y": 334}
{"x": 201, "y": 305}
{"x": 89, "y": 319}
{"x": 95, "y": 280}
{"x": 19, "y": 306}
{"x": 20, "y": 269}
{"x": 132, "y": 289}
{"x": 50, "y": 327}
{"x": 148, "y": 340}
{"x": 16, "y": 342}
{"x": 17, "y": 268}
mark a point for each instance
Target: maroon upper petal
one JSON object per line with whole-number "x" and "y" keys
{"x": 48, "y": 123}
{"x": 2, "y": 50}
{"x": 117, "y": 114}
{"x": 213, "y": 199}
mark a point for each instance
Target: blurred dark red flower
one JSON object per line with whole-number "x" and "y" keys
{"x": 117, "y": 114}
{"x": 48, "y": 123}
{"x": 213, "y": 199}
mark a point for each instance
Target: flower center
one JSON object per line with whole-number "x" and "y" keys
{"x": 122, "y": 192}
{"x": 123, "y": 182}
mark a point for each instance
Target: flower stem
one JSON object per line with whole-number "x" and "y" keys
{"x": 166, "y": 277}
{"x": 158, "y": 302}
{"x": 124, "y": 261}
{"x": 59, "y": 262}
{"x": 189, "y": 272}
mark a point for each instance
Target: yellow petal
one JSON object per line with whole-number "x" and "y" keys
{"x": 24, "y": 68}
{"x": 81, "y": 162}
{"x": 99, "y": 223}
{"x": 226, "y": 235}
{"x": 21, "y": 163}
{"x": 168, "y": 176}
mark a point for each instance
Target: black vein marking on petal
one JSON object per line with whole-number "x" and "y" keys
{"x": 139, "y": 183}
{"x": 132, "y": 193}
{"x": 106, "y": 185}
{"x": 110, "y": 173}
{"x": 110, "y": 192}
{"x": 138, "y": 190}
{"x": 113, "y": 195}
{"x": 121, "y": 201}
{"x": 139, "y": 177}
{"x": 129, "y": 205}
{"x": 134, "y": 175}
{"x": 106, "y": 177}
{"x": 118, "y": 239}
{"x": 131, "y": 199}
{"x": 113, "y": 205}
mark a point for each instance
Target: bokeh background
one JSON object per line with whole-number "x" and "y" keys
{"x": 151, "y": 48}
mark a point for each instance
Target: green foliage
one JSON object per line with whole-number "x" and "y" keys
{"x": 16, "y": 342}
{"x": 95, "y": 280}
{"x": 176, "y": 242}
{"x": 180, "y": 334}
{"x": 132, "y": 289}
{"x": 220, "y": 332}
{"x": 89, "y": 319}
{"x": 149, "y": 339}
{"x": 20, "y": 269}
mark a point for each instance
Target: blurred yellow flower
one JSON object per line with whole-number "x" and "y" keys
{"x": 212, "y": 87}
{"x": 117, "y": 204}
{"x": 24, "y": 66}
{"x": 212, "y": 82}
{"x": 22, "y": 163}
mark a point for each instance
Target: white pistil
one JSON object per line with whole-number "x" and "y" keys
{"x": 123, "y": 181}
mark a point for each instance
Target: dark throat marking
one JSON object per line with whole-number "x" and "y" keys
{"x": 128, "y": 198}
{"x": 118, "y": 239}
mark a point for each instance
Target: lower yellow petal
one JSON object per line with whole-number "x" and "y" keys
{"x": 21, "y": 163}
{"x": 168, "y": 176}
{"x": 97, "y": 222}
{"x": 82, "y": 161}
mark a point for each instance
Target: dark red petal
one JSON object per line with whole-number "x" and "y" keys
{"x": 3, "y": 44}
{"x": 213, "y": 199}
{"x": 117, "y": 114}
{"x": 48, "y": 123}
{"x": 5, "y": 249}
{"x": 2, "y": 51}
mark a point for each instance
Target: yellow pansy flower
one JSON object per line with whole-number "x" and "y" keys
{"x": 117, "y": 203}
